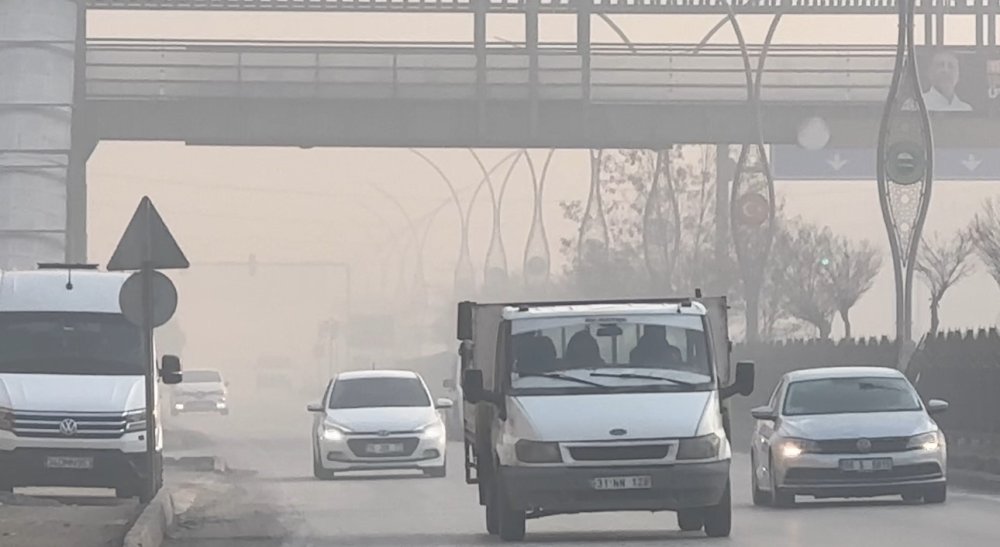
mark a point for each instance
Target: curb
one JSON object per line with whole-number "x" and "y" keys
{"x": 153, "y": 523}
{"x": 976, "y": 481}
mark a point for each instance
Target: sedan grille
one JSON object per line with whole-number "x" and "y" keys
{"x": 880, "y": 445}
{"x": 833, "y": 476}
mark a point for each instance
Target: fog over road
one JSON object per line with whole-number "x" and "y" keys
{"x": 273, "y": 500}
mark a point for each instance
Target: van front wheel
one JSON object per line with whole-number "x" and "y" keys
{"x": 719, "y": 517}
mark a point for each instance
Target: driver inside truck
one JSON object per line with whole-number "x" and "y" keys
{"x": 653, "y": 349}
{"x": 534, "y": 354}
{"x": 583, "y": 351}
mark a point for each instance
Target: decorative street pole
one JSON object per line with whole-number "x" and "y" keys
{"x": 905, "y": 169}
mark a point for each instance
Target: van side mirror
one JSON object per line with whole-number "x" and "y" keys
{"x": 170, "y": 370}
{"x": 743, "y": 383}
{"x": 464, "y": 331}
{"x": 936, "y": 406}
{"x": 472, "y": 385}
{"x": 765, "y": 413}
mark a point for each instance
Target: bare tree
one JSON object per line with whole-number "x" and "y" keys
{"x": 804, "y": 250}
{"x": 852, "y": 270}
{"x": 941, "y": 264}
{"x": 986, "y": 236}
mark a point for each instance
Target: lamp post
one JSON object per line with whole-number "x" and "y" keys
{"x": 904, "y": 168}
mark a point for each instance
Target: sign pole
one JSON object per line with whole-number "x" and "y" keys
{"x": 147, "y": 333}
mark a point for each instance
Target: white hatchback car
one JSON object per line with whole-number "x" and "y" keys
{"x": 847, "y": 432}
{"x": 378, "y": 420}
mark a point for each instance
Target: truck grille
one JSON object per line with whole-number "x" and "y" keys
{"x": 625, "y": 452}
{"x": 69, "y": 425}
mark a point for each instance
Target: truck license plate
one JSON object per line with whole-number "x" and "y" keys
{"x": 638, "y": 482}
{"x": 63, "y": 462}
{"x": 869, "y": 465}
{"x": 384, "y": 448}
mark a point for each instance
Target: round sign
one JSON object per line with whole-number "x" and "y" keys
{"x": 164, "y": 298}
{"x": 814, "y": 134}
{"x": 753, "y": 210}
{"x": 905, "y": 163}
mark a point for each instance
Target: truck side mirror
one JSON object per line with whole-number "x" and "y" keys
{"x": 170, "y": 369}
{"x": 472, "y": 385}
{"x": 743, "y": 383}
{"x": 464, "y": 331}
{"x": 448, "y": 384}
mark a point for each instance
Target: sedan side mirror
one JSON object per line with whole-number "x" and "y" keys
{"x": 443, "y": 404}
{"x": 936, "y": 406}
{"x": 314, "y": 407}
{"x": 764, "y": 413}
{"x": 170, "y": 370}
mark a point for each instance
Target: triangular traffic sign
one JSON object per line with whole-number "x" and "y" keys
{"x": 147, "y": 243}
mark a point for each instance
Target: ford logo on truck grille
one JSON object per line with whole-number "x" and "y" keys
{"x": 68, "y": 427}
{"x": 618, "y": 432}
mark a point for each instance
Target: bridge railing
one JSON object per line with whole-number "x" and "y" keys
{"x": 651, "y": 73}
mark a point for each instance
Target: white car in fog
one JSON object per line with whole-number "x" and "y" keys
{"x": 378, "y": 420}
{"x": 200, "y": 391}
{"x": 847, "y": 432}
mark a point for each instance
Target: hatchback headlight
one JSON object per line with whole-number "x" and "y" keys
{"x": 334, "y": 432}
{"x": 929, "y": 441}
{"x": 537, "y": 452}
{"x": 135, "y": 421}
{"x": 793, "y": 448}
{"x": 433, "y": 430}
{"x": 699, "y": 448}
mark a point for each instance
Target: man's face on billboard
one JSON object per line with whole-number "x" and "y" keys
{"x": 944, "y": 73}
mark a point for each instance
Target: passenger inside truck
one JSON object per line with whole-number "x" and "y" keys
{"x": 653, "y": 349}
{"x": 534, "y": 354}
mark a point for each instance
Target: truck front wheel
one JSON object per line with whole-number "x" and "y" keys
{"x": 511, "y": 520}
{"x": 719, "y": 517}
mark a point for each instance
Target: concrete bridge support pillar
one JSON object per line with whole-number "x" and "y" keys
{"x": 42, "y": 177}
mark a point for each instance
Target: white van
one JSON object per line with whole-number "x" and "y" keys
{"x": 599, "y": 406}
{"x": 72, "y": 392}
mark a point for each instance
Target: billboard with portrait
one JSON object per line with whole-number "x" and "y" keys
{"x": 953, "y": 79}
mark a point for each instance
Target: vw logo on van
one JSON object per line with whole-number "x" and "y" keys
{"x": 68, "y": 427}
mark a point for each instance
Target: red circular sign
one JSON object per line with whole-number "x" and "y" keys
{"x": 753, "y": 210}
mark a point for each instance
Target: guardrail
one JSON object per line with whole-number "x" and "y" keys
{"x": 439, "y": 71}
{"x": 811, "y": 7}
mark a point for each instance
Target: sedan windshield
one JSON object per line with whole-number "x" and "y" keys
{"x": 69, "y": 343}
{"x": 850, "y": 395}
{"x": 378, "y": 392}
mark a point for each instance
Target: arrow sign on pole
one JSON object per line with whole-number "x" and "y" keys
{"x": 147, "y": 243}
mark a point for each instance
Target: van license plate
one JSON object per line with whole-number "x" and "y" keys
{"x": 384, "y": 448}
{"x": 62, "y": 462}
{"x": 869, "y": 465}
{"x": 639, "y": 482}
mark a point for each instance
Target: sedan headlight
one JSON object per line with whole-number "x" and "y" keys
{"x": 135, "y": 421}
{"x": 929, "y": 441}
{"x": 333, "y": 432}
{"x": 793, "y": 448}
{"x": 6, "y": 420}
{"x": 699, "y": 448}
{"x": 537, "y": 452}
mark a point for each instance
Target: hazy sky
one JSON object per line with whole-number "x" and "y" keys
{"x": 320, "y": 204}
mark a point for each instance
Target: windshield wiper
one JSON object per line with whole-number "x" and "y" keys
{"x": 561, "y": 376}
{"x": 636, "y": 376}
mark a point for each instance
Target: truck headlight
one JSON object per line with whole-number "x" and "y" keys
{"x": 699, "y": 448}
{"x": 6, "y": 420}
{"x": 929, "y": 441}
{"x": 537, "y": 452}
{"x": 135, "y": 421}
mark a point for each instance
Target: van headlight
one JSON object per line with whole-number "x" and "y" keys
{"x": 135, "y": 421}
{"x": 929, "y": 441}
{"x": 537, "y": 452}
{"x": 699, "y": 448}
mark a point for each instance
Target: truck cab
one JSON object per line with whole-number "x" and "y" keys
{"x": 72, "y": 384}
{"x": 581, "y": 407}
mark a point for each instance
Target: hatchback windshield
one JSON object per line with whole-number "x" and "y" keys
{"x": 201, "y": 376}
{"x": 378, "y": 392}
{"x": 850, "y": 395}
{"x": 69, "y": 343}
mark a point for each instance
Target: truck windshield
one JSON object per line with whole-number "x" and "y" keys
{"x": 69, "y": 343}
{"x": 656, "y": 350}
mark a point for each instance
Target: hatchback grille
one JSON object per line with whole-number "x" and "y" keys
{"x": 623, "y": 452}
{"x": 360, "y": 447}
{"x": 850, "y": 446}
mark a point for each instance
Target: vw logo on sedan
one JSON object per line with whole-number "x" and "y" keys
{"x": 68, "y": 427}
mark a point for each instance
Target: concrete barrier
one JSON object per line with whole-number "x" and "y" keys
{"x": 153, "y": 523}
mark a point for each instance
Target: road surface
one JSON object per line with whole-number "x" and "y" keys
{"x": 276, "y": 502}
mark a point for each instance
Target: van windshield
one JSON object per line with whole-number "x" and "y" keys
{"x": 69, "y": 343}
{"x": 595, "y": 352}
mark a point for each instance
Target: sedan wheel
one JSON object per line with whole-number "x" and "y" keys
{"x": 779, "y": 498}
{"x": 760, "y": 497}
